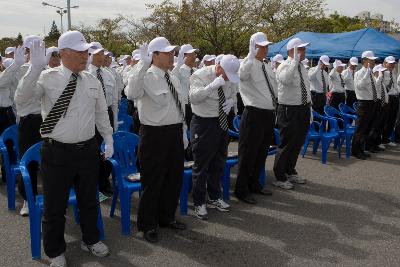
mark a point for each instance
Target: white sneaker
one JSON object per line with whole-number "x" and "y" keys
{"x": 295, "y": 178}
{"x": 99, "y": 249}
{"x": 58, "y": 261}
{"x": 284, "y": 185}
{"x": 392, "y": 144}
{"x": 218, "y": 204}
{"x": 201, "y": 212}
{"x": 382, "y": 146}
{"x": 25, "y": 209}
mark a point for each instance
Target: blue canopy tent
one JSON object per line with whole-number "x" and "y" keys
{"x": 343, "y": 45}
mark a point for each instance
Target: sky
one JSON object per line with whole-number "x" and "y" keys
{"x": 31, "y": 17}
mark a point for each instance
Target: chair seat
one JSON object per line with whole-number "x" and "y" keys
{"x": 188, "y": 164}
{"x": 330, "y": 135}
{"x": 232, "y": 154}
{"x": 133, "y": 177}
{"x": 71, "y": 200}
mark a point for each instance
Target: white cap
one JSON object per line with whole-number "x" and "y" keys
{"x": 121, "y": 61}
{"x": 369, "y": 55}
{"x": 354, "y": 61}
{"x": 108, "y": 53}
{"x": 231, "y": 65}
{"x": 51, "y": 49}
{"x": 113, "y": 63}
{"x": 295, "y": 42}
{"x": 208, "y": 58}
{"x": 325, "y": 59}
{"x": 160, "y": 44}
{"x": 218, "y": 58}
{"x": 277, "y": 58}
{"x": 188, "y": 48}
{"x": 260, "y": 39}
{"x": 338, "y": 63}
{"x": 390, "y": 59}
{"x": 7, "y": 62}
{"x": 10, "y": 50}
{"x": 96, "y": 47}
{"x": 134, "y": 52}
{"x": 73, "y": 40}
{"x": 378, "y": 68}
{"x": 28, "y": 40}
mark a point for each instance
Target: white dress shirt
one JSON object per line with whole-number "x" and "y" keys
{"x": 315, "y": 76}
{"x": 335, "y": 82}
{"x": 183, "y": 73}
{"x": 26, "y": 106}
{"x": 253, "y": 86}
{"x": 362, "y": 82}
{"x": 348, "y": 76}
{"x": 289, "y": 87}
{"x": 393, "y": 89}
{"x": 155, "y": 102}
{"x": 203, "y": 98}
{"x": 7, "y": 83}
{"x": 86, "y": 109}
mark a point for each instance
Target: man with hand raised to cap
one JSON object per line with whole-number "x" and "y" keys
{"x": 159, "y": 99}
{"x": 337, "y": 84}
{"x": 348, "y": 76}
{"x": 72, "y": 104}
{"x": 259, "y": 90}
{"x": 212, "y": 97}
{"x": 319, "y": 80}
{"x": 293, "y": 118}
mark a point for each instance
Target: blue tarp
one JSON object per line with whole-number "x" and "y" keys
{"x": 343, "y": 45}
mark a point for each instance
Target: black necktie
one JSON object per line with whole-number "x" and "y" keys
{"x": 175, "y": 95}
{"x": 374, "y": 96}
{"x": 274, "y": 100}
{"x": 391, "y": 81}
{"x": 303, "y": 87}
{"x": 98, "y": 72}
{"x": 323, "y": 82}
{"x": 341, "y": 80}
{"x": 382, "y": 93}
{"x": 60, "y": 107}
{"x": 191, "y": 72}
{"x": 222, "y": 117}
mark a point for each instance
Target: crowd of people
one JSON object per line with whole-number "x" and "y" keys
{"x": 69, "y": 95}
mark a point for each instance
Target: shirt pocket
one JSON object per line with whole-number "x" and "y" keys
{"x": 93, "y": 92}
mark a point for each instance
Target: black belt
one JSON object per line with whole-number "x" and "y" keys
{"x": 79, "y": 145}
{"x": 5, "y": 108}
{"x": 31, "y": 116}
{"x": 251, "y": 108}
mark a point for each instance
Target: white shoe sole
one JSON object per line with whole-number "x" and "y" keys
{"x": 100, "y": 255}
{"x": 212, "y": 206}
{"x": 282, "y": 186}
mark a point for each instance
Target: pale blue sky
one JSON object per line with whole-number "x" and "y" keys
{"x": 30, "y": 17}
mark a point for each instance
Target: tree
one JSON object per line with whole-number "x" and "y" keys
{"x": 52, "y": 38}
{"x": 19, "y": 39}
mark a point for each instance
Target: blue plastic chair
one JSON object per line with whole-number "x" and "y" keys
{"x": 324, "y": 136}
{"x": 125, "y": 122}
{"x": 123, "y": 106}
{"x": 124, "y": 164}
{"x": 355, "y": 105}
{"x": 185, "y": 190}
{"x": 236, "y": 123}
{"x": 346, "y": 109}
{"x": 36, "y": 205}
{"x": 10, "y": 162}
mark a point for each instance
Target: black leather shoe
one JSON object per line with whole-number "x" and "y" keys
{"x": 365, "y": 154}
{"x": 106, "y": 190}
{"x": 359, "y": 156}
{"x": 246, "y": 199}
{"x": 151, "y": 236}
{"x": 265, "y": 192}
{"x": 174, "y": 225}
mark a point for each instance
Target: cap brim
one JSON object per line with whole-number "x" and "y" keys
{"x": 280, "y": 61}
{"x": 232, "y": 77}
{"x": 391, "y": 61}
{"x": 79, "y": 47}
{"x": 303, "y": 45}
{"x": 326, "y": 63}
{"x": 136, "y": 57}
{"x": 265, "y": 43}
{"x": 95, "y": 51}
{"x": 372, "y": 58}
{"x": 167, "y": 49}
{"x": 192, "y": 51}
{"x": 354, "y": 63}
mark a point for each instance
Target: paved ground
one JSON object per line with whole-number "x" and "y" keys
{"x": 347, "y": 215}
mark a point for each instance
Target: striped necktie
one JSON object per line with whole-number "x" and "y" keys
{"x": 303, "y": 87}
{"x": 323, "y": 82}
{"x": 341, "y": 80}
{"x": 374, "y": 96}
{"x": 175, "y": 95}
{"x": 222, "y": 117}
{"x": 191, "y": 72}
{"x": 60, "y": 107}
{"x": 391, "y": 81}
{"x": 100, "y": 78}
{"x": 274, "y": 100}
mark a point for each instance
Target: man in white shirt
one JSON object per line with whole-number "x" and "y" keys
{"x": 259, "y": 91}
{"x": 336, "y": 84}
{"x": 159, "y": 99}
{"x": 348, "y": 76}
{"x": 212, "y": 97}
{"x": 319, "y": 84}
{"x": 208, "y": 60}
{"x": 71, "y": 104}
{"x": 389, "y": 80}
{"x": 54, "y": 57}
{"x": 368, "y": 97}
{"x": 276, "y": 61}
{"x": 9, "y": 52}
{"x": 294, "y": 113}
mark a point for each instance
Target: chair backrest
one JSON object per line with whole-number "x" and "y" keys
{"x": 346, "y": 109}
{"x": 11, "y": 135}
{"x": 123, "y": 106}
{"x": 125, "y": 147}
{"x": 236, "y": 123}
{"x": 125, "y": 121}
{"x": 331, "y": 111}
{"x": 355, "y": 106}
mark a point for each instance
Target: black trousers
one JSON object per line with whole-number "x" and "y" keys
{"x": 318, "y": 102}
{"x": 293, "y": 123}
{"x": 28, "y": 135}
{"x": 393, "y": 109}
{"x": 366, "y": 113}
{"x": 375, "y": 135}
{"x": 7, "y": 118}
{"x": 161, "y": 159}
{"x": 105, "y": 167}
{"x": 256, "y": 136}
{"x": 65, "y": 166}
{"x": 131, "y": 107}
{"x": 240, "y": 105}
{"x": 132, "y": 111}
{"x": 336, "y": 99}
{"x": 350, "y": 98}
{"x": 209, "y": 148}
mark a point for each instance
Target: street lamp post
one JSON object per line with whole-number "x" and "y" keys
{"x": 62, "y": 11}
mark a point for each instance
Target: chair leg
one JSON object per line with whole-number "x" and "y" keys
{"x": 325, "y": 146}
{"x": 226, "y": 182}
{"x": 114, "y": 201}
{"x": 183, "y": 198}
{"x": 76, "y": 213}
{"x": 316, "y": 145}
{"x": 35, "y": 228}
{"x": 125, "y": 212}
{"x": 100, "y": 225}
{"x": 305, "y": 146}
{"x": 11, "y": 191}
{"x": 262, "y": 177}
{"x": 348, "y": 145}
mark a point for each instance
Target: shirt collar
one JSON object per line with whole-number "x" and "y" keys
{"x": 156, "y": 70}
